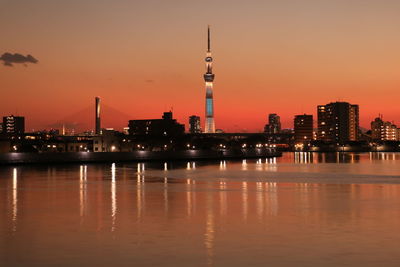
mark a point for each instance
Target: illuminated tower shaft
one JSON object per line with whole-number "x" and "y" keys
{"x": 209, "y": 78}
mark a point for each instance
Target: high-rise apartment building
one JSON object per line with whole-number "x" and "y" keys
{"x": 194, "y": 124}
{"x": 274, "y": 124}
{"x": 13, "y": 124}
{"x": 303, "y": 128}
{"x": 338, "y": 122}
{"x": 384, "y": 130}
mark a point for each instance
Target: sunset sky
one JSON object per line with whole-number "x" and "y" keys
{"x": 144, "y": 57}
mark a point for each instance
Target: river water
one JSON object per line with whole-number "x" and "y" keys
{"x": 302, "y": 209}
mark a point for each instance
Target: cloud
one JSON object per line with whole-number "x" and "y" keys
{"x": 9, "y": 59}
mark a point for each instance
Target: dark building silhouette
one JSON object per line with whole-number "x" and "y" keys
{"x": 167, "y": 126}
{"x": 274, "y": 124}
{"x": 194, "y": 124}
{"x": 338, "y": 122}
{"x": 13, "y": 124}
{"x": 303, "y": 129}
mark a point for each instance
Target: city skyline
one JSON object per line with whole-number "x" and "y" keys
{"x": 279, "y": 57}
{"x": 119, "y": 146}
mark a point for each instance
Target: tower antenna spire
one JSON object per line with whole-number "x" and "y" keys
{"x": 209, "y": 39}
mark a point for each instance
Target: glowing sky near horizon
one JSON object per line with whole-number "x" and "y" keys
{"x": 144, "y": 57}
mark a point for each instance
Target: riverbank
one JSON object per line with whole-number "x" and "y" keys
{"x": 140, "y": 155}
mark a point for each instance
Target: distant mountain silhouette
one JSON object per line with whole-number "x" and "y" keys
{"x": 84, "y": 120}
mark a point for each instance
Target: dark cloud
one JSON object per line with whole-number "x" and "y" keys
{"x": 9, "y": 59}
{"x": 149, "y": 81}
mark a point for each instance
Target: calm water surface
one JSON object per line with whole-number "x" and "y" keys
{"x": 302, "y": 209}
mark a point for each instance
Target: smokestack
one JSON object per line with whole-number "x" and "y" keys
{"x": 98, "y": 127}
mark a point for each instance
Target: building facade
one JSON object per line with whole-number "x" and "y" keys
{"x": 303, "y": 129}
{"x": 274, "y": 124}
{"x": 194, "y": 124}
{"x": 108, "y": 141}
{"x": 338, "y": 122}
{"x": 13, "y": 125}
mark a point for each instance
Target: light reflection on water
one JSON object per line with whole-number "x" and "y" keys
{"x": 82, "y": 189}
{"x": 122, "y": 213}
{"x": 14, "y": 199}
{"x": 340, "y": 157}
{"x": 113, "y": 197}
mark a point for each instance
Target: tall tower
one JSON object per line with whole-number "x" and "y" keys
{"x": 97, "y": 118}
{"x": 209, "y": 78}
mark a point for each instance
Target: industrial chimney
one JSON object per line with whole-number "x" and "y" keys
{"x": 98, "y": 127}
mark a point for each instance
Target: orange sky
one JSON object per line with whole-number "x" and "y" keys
{"x": 143, "y": 57}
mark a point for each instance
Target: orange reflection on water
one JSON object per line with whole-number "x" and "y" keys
{"x": 113, "y": 197}
{"x": 209, "y": 220}
{"x": 210, "y": 231}
{"x": 82, "y": 189}
{"x": 14, "y": 199}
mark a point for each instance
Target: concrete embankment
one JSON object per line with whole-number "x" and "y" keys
{"x": 87, "y": 157}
